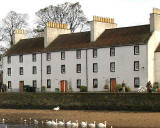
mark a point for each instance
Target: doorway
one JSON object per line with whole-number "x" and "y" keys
{"x": 21, "y": 84}
{"x": 64, "y": 85}
{"x": 113, "y": 84}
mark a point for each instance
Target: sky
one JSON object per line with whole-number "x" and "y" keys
{"x": 125, "y": 12}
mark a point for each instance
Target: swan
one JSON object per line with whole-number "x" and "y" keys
{"x": 48, "y": 122}
{"x": 25, "y": 120}
{"x": 68, "y": 124}
{"x": 56, "y": 108}
{"x": 54, "y": 123}
{"x": 92, "y": 125}
{"x": 75, "y": 124}
{"x": 102, "y": 125}
{"x": 35, "y": 122}
{"x": 61, "y": 123}
{"x": 3, "y": 120}
{"x": 83, "y": 124}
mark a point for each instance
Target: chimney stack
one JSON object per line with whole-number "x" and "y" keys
{"x": 98, "y": 26}
{"x": 155, "y": 20}
{"x": 53, "y": 30}
{"x": 18, "y": 35}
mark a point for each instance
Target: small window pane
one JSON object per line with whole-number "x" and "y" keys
{"x": 136, "y": 82}
{"x": 9, "y": 71}
{"x": 34, "y": 57}
{"x": 34, "y": 70}
{"x": 20, "y": 58}
{"x": 21, "y": 70}
{"x": 48, "y": 56}
{"x": 112, "y": 66}
{"x": 62, "y": 55}
{"x": 95, "y": 67}
{"x": 9, "y": 59}
{"x": 48, "y": 83}
{"x": 34, "y": 83}
{"x": 78, "y": 83}
{"x": 62, "y": 69}
{"x": 9, "y": 85}
{"x": 112, "y": 51}
{"x": 78, "y": 54}
{"x": 78, "y": 68}
{"x": 48, "y": 69}
{"x": 94, "y": 53}
{"x": 136, "y": 50}
{"x": 95, "y": 83}
{"x": 136, "y": 65}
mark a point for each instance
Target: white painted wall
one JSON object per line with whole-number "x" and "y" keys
{"x": 70, "y": 63}
{"x": 27, "y": 76}
{"x": 124, "y": 66}
{"x": 157, "y": 67}
{"x": 152, "y": 45}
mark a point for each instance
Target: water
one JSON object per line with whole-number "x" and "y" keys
{"x": 21, "y": 126}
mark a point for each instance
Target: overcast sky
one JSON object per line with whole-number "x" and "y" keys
{"x": 125, "y": 12}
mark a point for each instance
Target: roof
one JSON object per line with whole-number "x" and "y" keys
{"x": 110, "y": 37}
{"x": 26, "y": 46}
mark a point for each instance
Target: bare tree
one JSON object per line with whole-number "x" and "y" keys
{"x": 69, "y": 13}
{"x": 11, "y": 22}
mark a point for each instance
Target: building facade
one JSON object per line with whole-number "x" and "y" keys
{"x": 104, "y": 55}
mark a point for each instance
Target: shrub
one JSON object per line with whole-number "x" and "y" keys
{"x": 106, "y": 86}
{"x": 119, "y": 87}
{"x": 83, "y": 88}
{"x": 43, "y": 88}
{"x": 127, "y": 89}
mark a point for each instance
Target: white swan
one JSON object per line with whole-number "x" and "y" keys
{"x": 92, "y": 125}
{"x": 61, "y": 123}
{"x": 48, "y": 122}
{"x": 54, "y": 123}
{"x": 68, "y": 124}
{"x": 35, "y": 122}
{"x": 102, "y": 125}
{"x": 56, "y": 108}
{"x": 3, "y": 120}
{"x": 84, "y": 124}
{"x": 75, "y": 124}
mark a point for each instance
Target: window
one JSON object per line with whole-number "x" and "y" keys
{"x": 48, "y": 56}
{"x": 62, "y": 69}
{"x": 136, "y": 82}
{"x": 9, "y": 71}
{"x": 112, "y": 51}
{"x": 9, "y": 85}
{"x": 78, "y": 83}
{"x": 33, "y": 57}
{"x": 20, "y": 58}
{"x": 21, "y": 70}
{"x": 95, "y": 67}
{"x": 78, "y": 54}
{"x": 78, "y": 68}
{"x": 112, "y": 66}
{"x": 136, "y": 65}
{"x": 34, "y": 83}
{"x": 48, "y": 83}
{"x": 9, "y": 59}
{"x": 62, "y": 55}
{"x": 48, "y": 69}
{"x": 136, "y": 50}
{"x": 34, "y": 70}
{"x": 94, "y": 53}
{"x": 95, "y": 83}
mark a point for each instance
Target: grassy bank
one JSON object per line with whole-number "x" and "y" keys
{"x": 83, "y": 101}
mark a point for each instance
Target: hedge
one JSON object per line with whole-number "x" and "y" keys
{"x": 82, "y": 101}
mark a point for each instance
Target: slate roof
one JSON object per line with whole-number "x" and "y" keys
{"x": 110, "y": 37}
{"x": 26, "y": 46}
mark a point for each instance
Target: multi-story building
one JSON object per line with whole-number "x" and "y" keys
{"x": 104, "y": 55}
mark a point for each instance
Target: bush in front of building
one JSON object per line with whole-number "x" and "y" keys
{"x": 43, "y": 88}
{"x": 127, "y": 89}
{"x": 119, "y": 87}
{"x": 83, "y": 88}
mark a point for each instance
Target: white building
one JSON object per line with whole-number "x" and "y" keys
{"x": 105, "y": 55}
